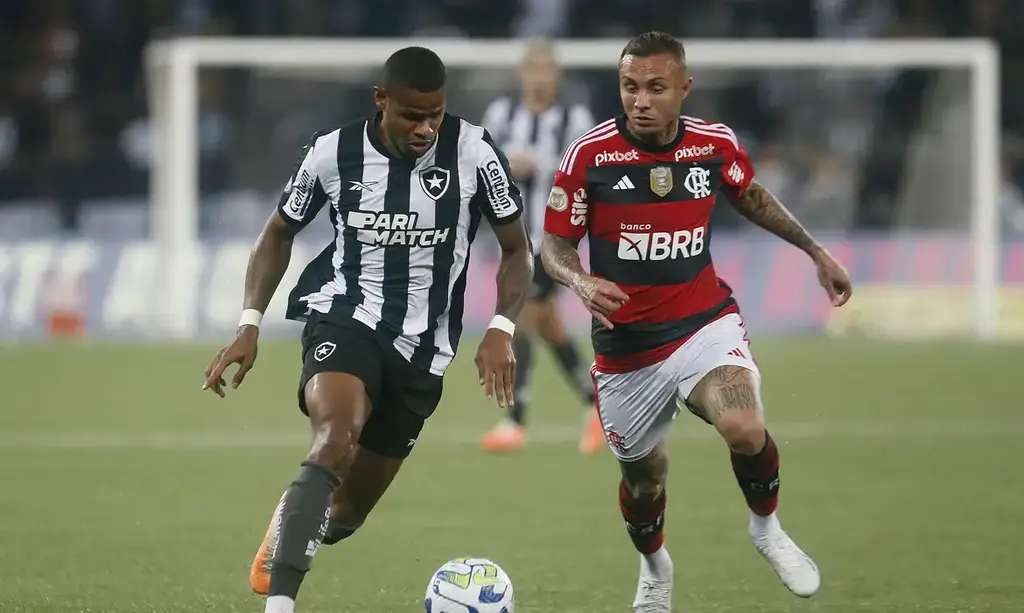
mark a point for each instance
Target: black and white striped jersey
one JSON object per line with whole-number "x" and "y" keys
{"x": 403, "y": 231}
{"x": 516, "y": 129}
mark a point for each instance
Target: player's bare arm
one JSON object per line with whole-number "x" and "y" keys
{"x": 495, "y": 359}
{"x": 562, "y": 261}
{"x": 760, "y": 206}
{"x": 268, "y": 262}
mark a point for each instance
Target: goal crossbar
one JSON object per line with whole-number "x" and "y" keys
{"x": 172, "y": 66}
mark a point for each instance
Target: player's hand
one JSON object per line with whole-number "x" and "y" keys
{"x": 496, "y": 365}
{"x": 601, "y": 297}
{"x": 833, "y": 277}
{"x": 241, "y": 351}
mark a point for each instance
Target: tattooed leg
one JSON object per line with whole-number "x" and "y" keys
{"x": 730, "y": 398}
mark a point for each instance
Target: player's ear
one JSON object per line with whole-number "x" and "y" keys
{"x": 687, "y": 86}
{"x": 380, "y": 97}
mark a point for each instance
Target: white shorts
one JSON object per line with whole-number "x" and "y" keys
{"x": 637, "y": 407}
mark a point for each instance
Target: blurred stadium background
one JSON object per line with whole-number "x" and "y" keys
{"x": 129, "y": 490}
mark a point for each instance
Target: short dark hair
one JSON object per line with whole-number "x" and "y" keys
{"x": 415, "y": 68}
{"x": 653, "y": 43}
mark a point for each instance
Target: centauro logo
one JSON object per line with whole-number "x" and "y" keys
{"x": 639, "y": 246}
{"x": 394, "y": 229}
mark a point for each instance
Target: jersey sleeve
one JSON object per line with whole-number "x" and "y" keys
{"x": 304, "y": 194}
{"x": 497, "y": 195}
{"x": 738, "y": 170}
{"x": 568, "y": 210}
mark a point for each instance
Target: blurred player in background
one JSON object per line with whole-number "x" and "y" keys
{"x": 667, "y": 331}
{"x": 533, "y": 130}
{"x": 383, "y": 303}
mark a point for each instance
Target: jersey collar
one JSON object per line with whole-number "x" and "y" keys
{"x": 620, "y": 123}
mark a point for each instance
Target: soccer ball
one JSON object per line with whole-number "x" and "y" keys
{"x": 469, "y": 585}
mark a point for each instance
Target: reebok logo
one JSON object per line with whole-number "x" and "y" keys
{"x": 656, "y": 246}
{"x": 694, "y": 151}
{"x": 617, "y": 157}
{"x": 361, "y": 186}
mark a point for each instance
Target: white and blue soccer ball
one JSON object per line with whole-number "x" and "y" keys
{"x": 469, "y": 585}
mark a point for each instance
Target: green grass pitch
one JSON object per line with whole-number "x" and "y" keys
{"x": 126, "y": 489}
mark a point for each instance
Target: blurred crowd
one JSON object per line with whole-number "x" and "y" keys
{"x": 73, "y": 106}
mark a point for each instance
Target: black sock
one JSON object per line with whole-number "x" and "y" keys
{"x": 304, "y": 518}
{"x": 523, "y": 347}
{"x": 337, "y": 532}
{"x": 569, "y": 359}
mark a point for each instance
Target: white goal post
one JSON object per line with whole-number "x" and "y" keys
{"x": 172, "y": 74}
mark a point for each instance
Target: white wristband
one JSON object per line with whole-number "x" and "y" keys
{"x": 250, "y": 317}
{"x": 503, "y": 323}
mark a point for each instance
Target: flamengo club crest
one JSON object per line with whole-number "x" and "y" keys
{"x": 661, "y": 180}
{"x": 434, "y": 181}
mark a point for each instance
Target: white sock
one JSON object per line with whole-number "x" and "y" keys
{"x": 659, "y": 563}
{"x": 279, "y": 604}
{"x": 762, "y": 525}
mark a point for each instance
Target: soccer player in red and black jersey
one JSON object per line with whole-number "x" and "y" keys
{"x": 667, "y": 332}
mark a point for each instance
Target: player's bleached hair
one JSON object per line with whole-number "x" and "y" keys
{"x": 654, "y": 43}
{"x": 415, "y": 68}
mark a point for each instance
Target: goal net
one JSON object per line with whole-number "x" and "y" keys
{"x": 888, "y": 150}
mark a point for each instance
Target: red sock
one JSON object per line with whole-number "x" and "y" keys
{"x": 645, "y": 521}
{"x": 758, "y": 477}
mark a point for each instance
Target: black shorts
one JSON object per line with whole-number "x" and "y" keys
{"x": 544, "y": 287}
{"x": 402, "y": 396}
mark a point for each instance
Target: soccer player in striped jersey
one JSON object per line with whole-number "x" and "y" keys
{"x": 667, "y": 331}
{"x": 533, "y": 130}
{"x": 406, "y": 191}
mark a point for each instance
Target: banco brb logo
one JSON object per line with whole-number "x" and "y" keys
{"x": 656, "y": 246}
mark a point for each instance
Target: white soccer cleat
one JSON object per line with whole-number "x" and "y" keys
{"x": 795, "y": 568}
{"x": 654, "y": 590}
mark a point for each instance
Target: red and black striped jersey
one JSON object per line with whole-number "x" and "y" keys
{"x": 647, "y": 211}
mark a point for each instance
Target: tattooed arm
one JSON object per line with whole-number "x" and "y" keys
{"x": 562, "y": 262}
{"x": 762, "y": 207}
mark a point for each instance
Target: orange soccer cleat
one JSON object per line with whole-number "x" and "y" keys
{"x": 506, "y": 437}
{"x": 592, "y": 439}
{"x": 259, "y": 574}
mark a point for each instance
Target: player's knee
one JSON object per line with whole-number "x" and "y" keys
{"x": 743, "y": 431}
{"x": 337, "y": 412}
{"x": 645, "y": 490}
{"x": 645, "y": 478}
